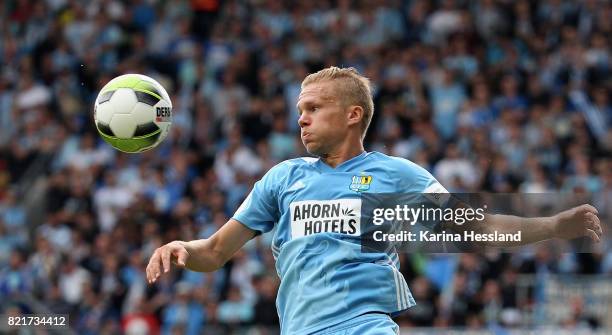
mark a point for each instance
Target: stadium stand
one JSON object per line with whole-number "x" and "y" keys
{"x": 489, "y": 95}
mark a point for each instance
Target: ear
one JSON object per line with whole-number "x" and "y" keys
{"x": 354, "y": 114}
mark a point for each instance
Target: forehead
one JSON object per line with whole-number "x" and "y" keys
{"x": 318, "y": 92}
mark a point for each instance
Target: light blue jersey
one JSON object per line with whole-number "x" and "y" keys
{"x": 325, "y": 277}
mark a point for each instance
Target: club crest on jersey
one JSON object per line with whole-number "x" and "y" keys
{"x": 360, "y": 183}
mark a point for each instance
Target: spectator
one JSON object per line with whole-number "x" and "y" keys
{"x": 491, "y": 96}
{"x": 73, "y": 280}
{"x": 14, "y": 217}
{"x": 265, "y": 308}
{"x": 110, "y": 200}
{"x": 184, "y": 312}
{"x": 236, "y": 310}
{"x": 16, "y": 279}
{"x": 455, "y": 171}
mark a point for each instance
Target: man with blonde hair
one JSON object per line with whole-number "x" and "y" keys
{"x": 328, "y": 285}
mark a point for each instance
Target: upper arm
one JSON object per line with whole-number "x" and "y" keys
{"x": 417, "y": 181}
{"x": 260, "y": 210}
{"x": 229, "y": 238}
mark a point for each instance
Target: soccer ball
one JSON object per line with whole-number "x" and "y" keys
{"x": 133, "y": 113}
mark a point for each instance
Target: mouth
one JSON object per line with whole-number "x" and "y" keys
{"x": 306, "y": 137}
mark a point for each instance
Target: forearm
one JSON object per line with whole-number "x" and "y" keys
{"x": 532, "y": 229}
{"x": 580, "y": 221}
{"x": 207, "y": 255}
{"x": 202, "y": 256}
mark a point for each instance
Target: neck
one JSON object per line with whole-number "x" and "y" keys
{"x": 342, "y": 154}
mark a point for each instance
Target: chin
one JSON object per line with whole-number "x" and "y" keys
{"x": 313, "y": 149}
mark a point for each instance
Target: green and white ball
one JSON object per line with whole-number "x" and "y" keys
{"x": 133, "y": 113}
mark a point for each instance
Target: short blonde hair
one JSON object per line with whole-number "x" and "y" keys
{"x": 354, "y": 89}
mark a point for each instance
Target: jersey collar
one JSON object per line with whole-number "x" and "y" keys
{"x": 342, "y": 167}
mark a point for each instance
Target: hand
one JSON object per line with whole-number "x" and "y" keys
{"x": 577, "y": 222}
{"x": 175, "y": 252}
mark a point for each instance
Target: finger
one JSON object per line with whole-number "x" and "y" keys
{"x": 156, "y": 269}
{"x": 589, "y": 208}
{"x": 165, "y": 258}
{"x": 150, "y": 268}
{"x": 181, "y": 258}
{"x": 594, "y": 223}
{"x": 598, "y": 229}
{"x": 152, "y": 271}
{"x": 153, "y": 267}
{"x": 599, "y": 233}
{"x": 590, "y": 233}
{"x": 148, "y": 273}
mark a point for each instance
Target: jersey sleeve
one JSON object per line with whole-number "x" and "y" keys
{"x": 421, "y": 185}
{"x": 415, "y": 179}
{"x": 259, "y": 210}
{"x": 435, "y": 192}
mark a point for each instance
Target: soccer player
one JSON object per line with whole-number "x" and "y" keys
{"x": 327, "y": 283}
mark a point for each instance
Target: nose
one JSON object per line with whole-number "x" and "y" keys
{"x": 304, "y": 120}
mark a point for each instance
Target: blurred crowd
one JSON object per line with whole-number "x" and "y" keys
{"x": 488, "y": 95}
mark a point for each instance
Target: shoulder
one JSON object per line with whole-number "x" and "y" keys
{"x": 286, "y": 169}
{"x": 399, "y": 166}
{"x": 294, "y": 163}
{"x": 406, "y": 175}
{"x": 299, "y": 162}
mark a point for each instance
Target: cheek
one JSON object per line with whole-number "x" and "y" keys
{"x": 332, "y": 120}
{"x": 325, "y": 126}
{"x": 337, "y": 123}
{"x": 328, "y": 124}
